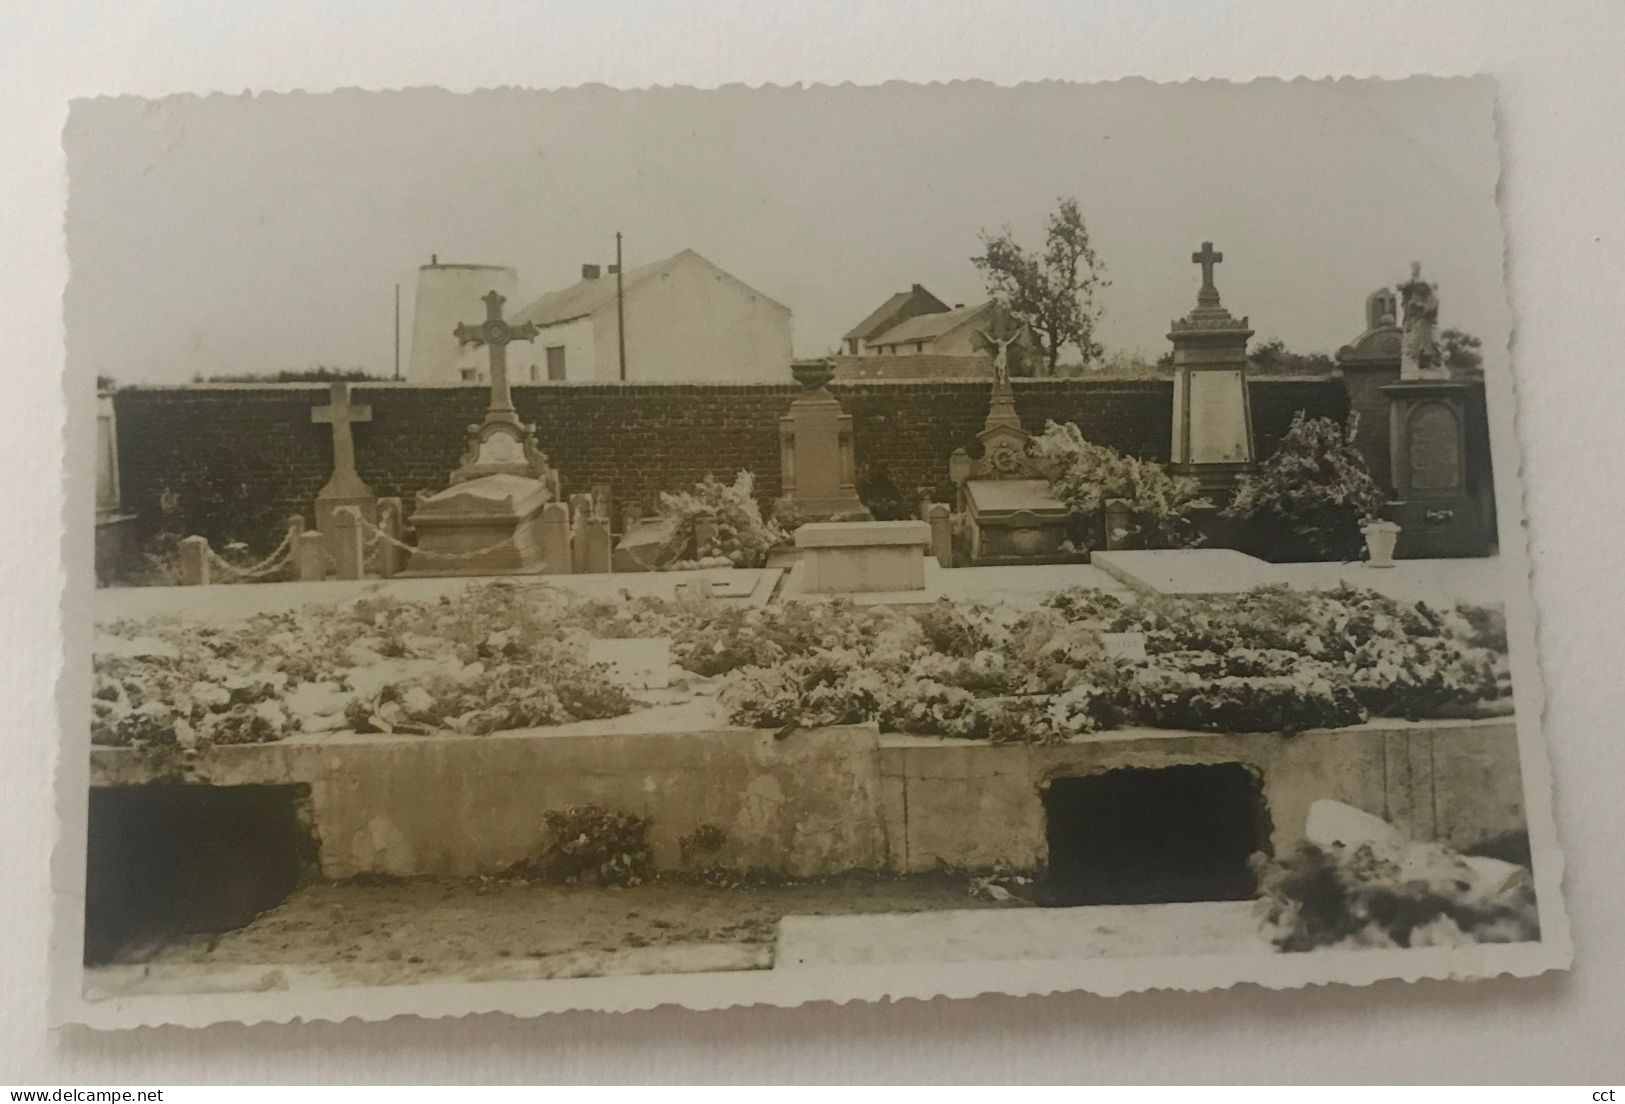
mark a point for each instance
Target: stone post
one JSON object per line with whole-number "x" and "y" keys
{"x": 595, "y": 545}
{"x": 556, "y": 552}
{"x": 391, "y": 560}
{"x": 580, "y": 511}
{"x": 939, "y": 517}
{"x": 194, "y": 561}
{"x": 603, "y": 502}
{"x": 350, "y": 545}
{"x": 310, "y": 556}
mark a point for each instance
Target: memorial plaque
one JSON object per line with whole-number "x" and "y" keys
{"x": 1218, "y": 424}
{"x": 1434, "y": 448}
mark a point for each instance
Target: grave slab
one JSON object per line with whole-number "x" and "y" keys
{"x": 1188, "y": 570}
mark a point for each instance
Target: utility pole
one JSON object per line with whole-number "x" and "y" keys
{"x": 397, "y": 331}
{"x": 620, "y": 303}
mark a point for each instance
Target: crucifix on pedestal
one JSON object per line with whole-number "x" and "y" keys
{"x": 501, "y": 444}
{"x": 1207, "y": 258}
{"x": 345, "y": 487}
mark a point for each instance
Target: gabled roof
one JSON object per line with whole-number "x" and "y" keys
{"x": 587, "y": 296}
{"x": 929, "y": 327}
{"x": 894, "y": 310}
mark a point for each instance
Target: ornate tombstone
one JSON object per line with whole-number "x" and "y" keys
{"x": 490, "y": 519}
{"x": 1213, "y": 417}
{"x": 1438, "y": 511}
{"x": 1369, "y": 363}
{"x": 1010, "y": 515}
{"x": 816, "y": 465}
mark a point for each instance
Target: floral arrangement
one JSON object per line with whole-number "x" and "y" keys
{"x": 1317, "y": 483}
{"x": 742, "y": 537}
{"x": 1087, "y": 476}
{"x": 1270, "y": 660}
{"x": 502, "y": 655}
{"x": 591, "y": 845}
{"x": 1380, "y": 895}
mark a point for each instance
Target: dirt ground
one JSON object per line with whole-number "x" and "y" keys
{"x": 423, "y": 927}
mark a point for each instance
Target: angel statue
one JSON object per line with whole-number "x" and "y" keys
{"x": 1420, "y": 352}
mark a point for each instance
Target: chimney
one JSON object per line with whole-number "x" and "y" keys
{"x": 919, "y": 289}
{"x": 434, "y": 260}
{"x": 590, "y": 272}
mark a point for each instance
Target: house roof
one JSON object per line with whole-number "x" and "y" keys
{"x": 586, "y": 296}
{"x": 891, "y": 311}
{"x": 928, "y": 327}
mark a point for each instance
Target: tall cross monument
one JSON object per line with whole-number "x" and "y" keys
{"x": 501, "y": 444}
{"x": 1212, "y": 415}
{"x": 345, "y": 488}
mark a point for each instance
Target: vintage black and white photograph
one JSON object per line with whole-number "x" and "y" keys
{"x": 601, "y": 549}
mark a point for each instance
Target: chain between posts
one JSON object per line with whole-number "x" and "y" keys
{"x": 273, "y": 562}
{"x": 378, "y": 534}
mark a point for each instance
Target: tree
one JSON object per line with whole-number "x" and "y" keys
{"x": 1273, "y": 357}
{"x": 1052, "y": 292}
{"x": 1462, "y": 353}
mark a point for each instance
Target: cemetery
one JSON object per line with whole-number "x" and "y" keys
{"x": 936, "y": 649}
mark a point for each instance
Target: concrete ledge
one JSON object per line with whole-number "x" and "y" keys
{"x": 817, "y": 801}
{"x": 862, "y": 534}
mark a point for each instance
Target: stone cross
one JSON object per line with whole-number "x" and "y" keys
{"x": 341, "y": 413}
{"x": 1207, "y": 258}
{"x": 495, "y": 334}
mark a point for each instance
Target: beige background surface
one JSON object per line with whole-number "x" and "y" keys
{"x": 1561, "y": 111}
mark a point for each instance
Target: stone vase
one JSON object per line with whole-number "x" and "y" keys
{"x": 1380, "y": 538}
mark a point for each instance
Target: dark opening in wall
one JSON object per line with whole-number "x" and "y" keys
{"x": 167, "y": 859}
{"x": 1144, "y": 835}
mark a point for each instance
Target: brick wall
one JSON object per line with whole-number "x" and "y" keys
{"x": 238, "y": 459}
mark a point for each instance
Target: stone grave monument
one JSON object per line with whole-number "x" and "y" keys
{"x": 816, "y": 464}
{"x": 345, "y": 489}
{"x": 1213, "y": 418}
{"x": 1369, "y": 363}
{"x": 490, "y": 519}
{"x": 1011, "y": 516}
{"x": 1433, "y": 478}
{"x": 858, "y": 557}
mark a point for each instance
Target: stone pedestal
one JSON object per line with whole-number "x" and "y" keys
{"x": 862, "y": 556}
{"x": 1212, "y": 417}
{"x": 479, "y": 514}
{"x": 1434, "y": 504}
{"x": 816, "y": 463}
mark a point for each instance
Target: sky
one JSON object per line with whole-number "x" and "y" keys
{"x": 256, "y": 233}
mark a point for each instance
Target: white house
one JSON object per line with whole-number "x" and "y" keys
{"x": 686, "y": 320}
